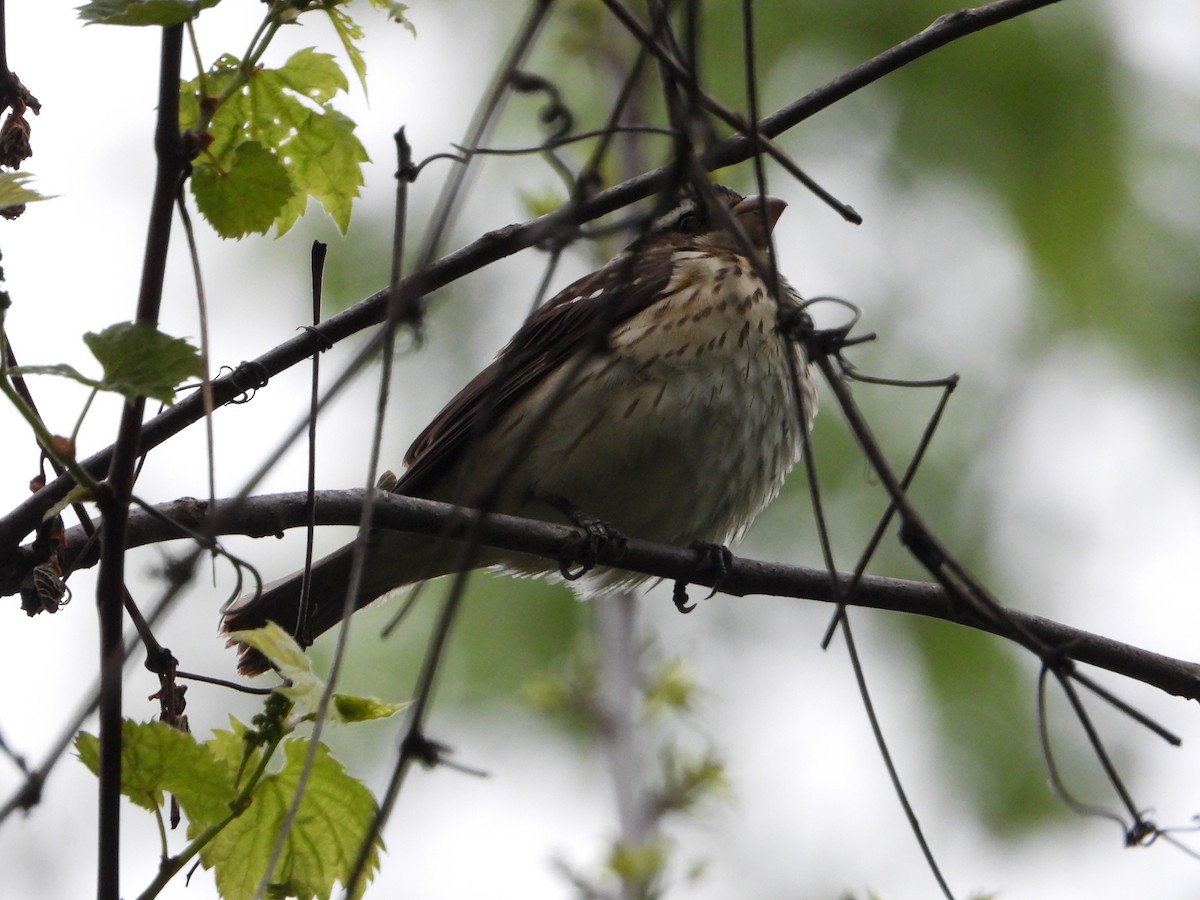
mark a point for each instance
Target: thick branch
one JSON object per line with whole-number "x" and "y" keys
{"x": 272, "y": 514}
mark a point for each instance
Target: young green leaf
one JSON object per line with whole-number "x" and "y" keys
{"x": 320, "y": 847}
{"x": 639, "y": 865}
{"x": 245, "y": 196}
{"x": 325, "y": 163}
{"x": 349, "y": 33}
{"x": 157, "y": 759}
{"x": 305, "y": 687}
{"x": 13, "y": 191}
{"x": 364, "y": 709}
{"x": 288, "y": 113}
{"x": 141, "y": 361}
{"x": 142, "y": 12}
{"x": 228, "y": 746}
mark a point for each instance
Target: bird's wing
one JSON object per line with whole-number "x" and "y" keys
{"x": 579, "y": 316}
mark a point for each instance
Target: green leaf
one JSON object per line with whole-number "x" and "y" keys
{"x": 157, "y": 759}
{"x": 364, "y": 709}
{"x": 670, "y": 689}
{"x": 686, "y": 781}
{"x": 141, "y": 361}
{"x": 349, "y": 32}
{"x": 306, "y": 687}
{"x": 247, "y": 195}
{"x": 287, "y": 112}
{"x": 637, "y": 864}
{"x": 13, "y": 191}
{"x": 395, "y": 12}
{"x": 218, "y": 79}
{"x": 326, "y": 163}
{"x": 323, "y": 839}
{"x": 142, "y": 12}
{"x": 229, "y": 746}
{"x": 320, "y": 847}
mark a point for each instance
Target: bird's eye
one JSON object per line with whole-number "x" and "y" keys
{"x": 689, "y": 223}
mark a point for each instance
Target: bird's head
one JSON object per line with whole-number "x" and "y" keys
{"x": 701, "y": 220}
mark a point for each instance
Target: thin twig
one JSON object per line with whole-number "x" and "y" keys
{"x": 303, "y": 610}
{"x": 910, "y": 814}
{"x": 481, "y": 125}
{"x": 397, "y": 314}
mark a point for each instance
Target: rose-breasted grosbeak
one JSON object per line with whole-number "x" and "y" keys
{"x": 672, "y": 416}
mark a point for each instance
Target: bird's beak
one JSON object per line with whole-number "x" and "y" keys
{"x": 758, "y": 215}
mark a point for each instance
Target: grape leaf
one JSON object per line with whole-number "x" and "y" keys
{"x": 158, "y": 759}
{"x": 289, "y": 114}
{"x": 304, "y": 687}
{"x": 229, "y": 746}
{"x": 247, "y": 195}
{"x": 142, "y": 12}
{"x": 141, "y": 361}
{"x": 322, "y": 844}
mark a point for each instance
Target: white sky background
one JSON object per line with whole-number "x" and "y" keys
{"x": 1100, "y": 514}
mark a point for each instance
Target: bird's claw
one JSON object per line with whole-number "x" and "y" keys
{"x": 680, "y": 598}
{"x": 580, "y": 554}
{"x": 710, "y": 558}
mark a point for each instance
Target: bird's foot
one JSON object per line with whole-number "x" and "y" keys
{"x": 711, "y": 559}
{"x": 579, "y": 555}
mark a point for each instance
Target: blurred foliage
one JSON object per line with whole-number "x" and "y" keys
{"x": 682, "y": 781}
{"x": 521, "y": 626}
{"x": 507, "y": 631}
{"x": 983, "y": 700}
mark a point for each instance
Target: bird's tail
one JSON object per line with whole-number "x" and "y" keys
{"x": 393, "y": 560}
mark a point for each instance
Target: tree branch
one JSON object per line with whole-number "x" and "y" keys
{"x": 273, "y": 513}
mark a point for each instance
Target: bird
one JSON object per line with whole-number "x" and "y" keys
{"x": 661, "y": 395}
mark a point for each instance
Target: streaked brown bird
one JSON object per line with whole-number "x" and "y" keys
{"x": 655, "y": 395}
